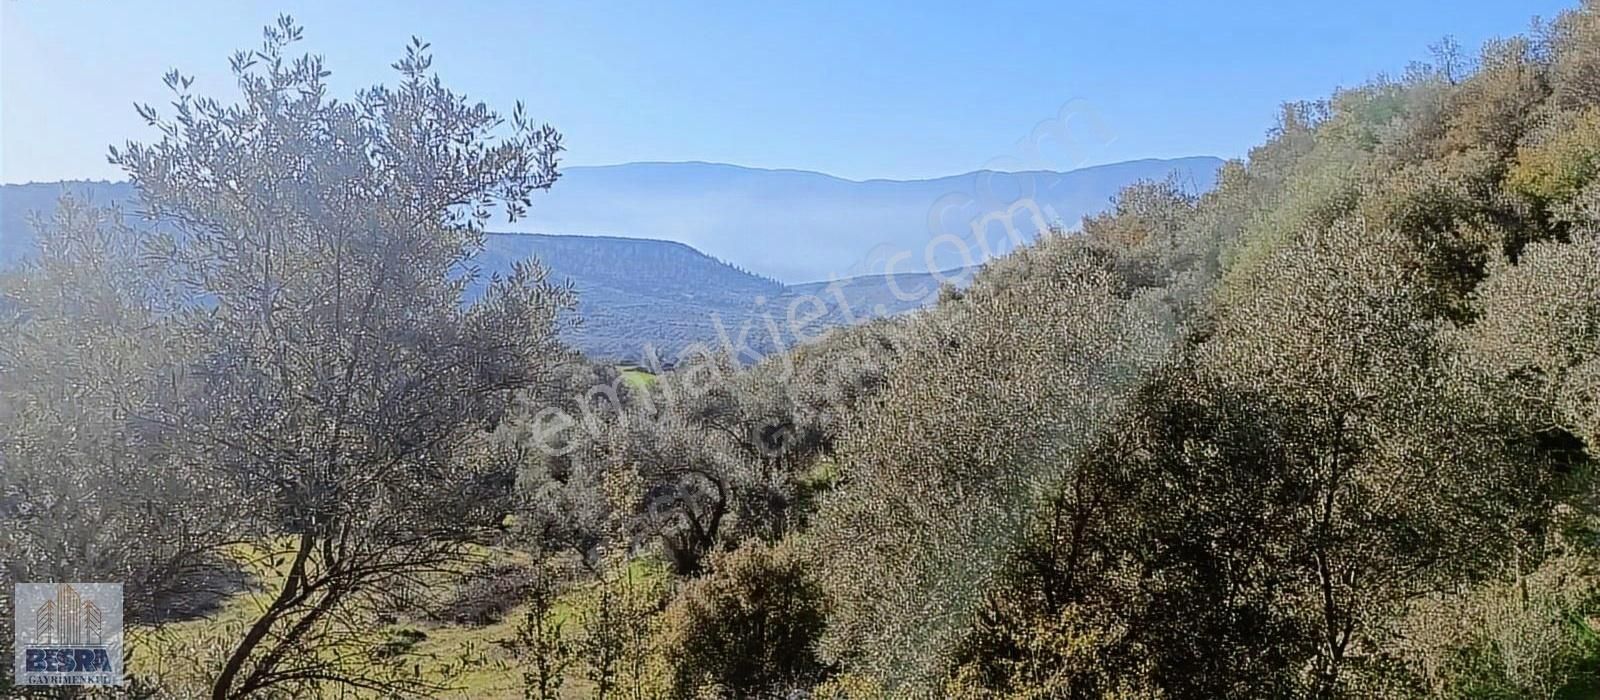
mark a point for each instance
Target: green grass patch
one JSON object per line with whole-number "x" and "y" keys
{"x": 638, "y": 378}
{"x": 472, "y": 660}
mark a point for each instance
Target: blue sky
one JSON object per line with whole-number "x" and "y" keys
{"x": 859, "y": 90}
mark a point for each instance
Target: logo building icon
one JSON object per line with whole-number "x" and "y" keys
{"x": 68, "y": 633}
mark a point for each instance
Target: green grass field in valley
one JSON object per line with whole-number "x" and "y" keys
{"x": 471, "y": 661}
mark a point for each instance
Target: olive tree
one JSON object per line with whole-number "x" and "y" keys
{"x": 974, "y": 424}
{"x": 1385, "y": 472}
{"x": 324, "y": 247}
{"x": 88, "y": 492}
{"x": 1541, "y": 328}
{"x": 1316, "y": 460}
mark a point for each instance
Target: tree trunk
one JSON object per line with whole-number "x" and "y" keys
{"x": 223, "y": 688}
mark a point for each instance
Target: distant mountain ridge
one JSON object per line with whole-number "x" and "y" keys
{"x": 638, "y": 298}
{"x": 641, "y": 298}
{"x": 802, "y": 226}
{"x": 642, "y": 294}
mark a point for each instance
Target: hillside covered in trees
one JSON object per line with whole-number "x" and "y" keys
{"x": 1328, "y": 430}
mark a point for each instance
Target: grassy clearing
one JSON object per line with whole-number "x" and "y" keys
{"x": 473, "y": 660}
{"x": 638, "y": 378}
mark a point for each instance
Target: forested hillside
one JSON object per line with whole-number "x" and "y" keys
{"x": 656, "y": 302}
{"x": 1342, "y": 444}
{"x": 1327, "y": 430}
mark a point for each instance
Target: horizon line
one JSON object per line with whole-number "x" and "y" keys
{"x": 800, "y": 171}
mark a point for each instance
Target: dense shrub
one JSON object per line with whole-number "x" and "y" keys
{"x": 749, "y": 628}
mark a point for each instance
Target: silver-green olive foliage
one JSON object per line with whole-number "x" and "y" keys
{"x": 976, "y": 421}
{"x": 322, "y": 247}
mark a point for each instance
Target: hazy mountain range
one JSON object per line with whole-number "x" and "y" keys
{"x": 801, "y": 226}
{"x": 721, "y": 254}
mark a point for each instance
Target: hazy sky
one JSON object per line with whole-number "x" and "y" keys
{"x": 859, "y": 90}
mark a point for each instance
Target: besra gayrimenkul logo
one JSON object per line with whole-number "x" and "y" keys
{"x": 68, "y": 633}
